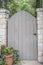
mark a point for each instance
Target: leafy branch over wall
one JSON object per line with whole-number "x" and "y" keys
{"x": 17, "y": 5}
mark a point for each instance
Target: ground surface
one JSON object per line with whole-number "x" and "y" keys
{"x": 30, "y": 63}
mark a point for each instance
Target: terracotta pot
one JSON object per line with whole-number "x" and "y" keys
{"x": 9, "y": 59}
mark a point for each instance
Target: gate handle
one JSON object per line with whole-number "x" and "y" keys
{"x": 35, "y": 34}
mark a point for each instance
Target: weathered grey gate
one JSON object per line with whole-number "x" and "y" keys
{"x": 22, "y": 34}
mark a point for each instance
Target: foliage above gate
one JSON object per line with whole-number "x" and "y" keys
{"x": 16, "y": 5}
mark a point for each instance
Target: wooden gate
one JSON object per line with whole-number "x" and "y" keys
{"x": 22, "y": 34}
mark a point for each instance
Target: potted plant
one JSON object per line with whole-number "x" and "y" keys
{"x": 2, "y": 62}
{"x": 10, "y": 55}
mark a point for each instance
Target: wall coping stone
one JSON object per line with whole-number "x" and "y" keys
{"x": 4, "y": 11}
{"x": 39, "y": 9}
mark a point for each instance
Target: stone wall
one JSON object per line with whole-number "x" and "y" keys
{"x": 3, "y": 26}
{"x": 40, "y": 33}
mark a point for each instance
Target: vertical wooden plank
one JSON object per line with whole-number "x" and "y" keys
{"x": 27, "y": 36}
{"x": 35, "y": 41}
{"x": 20, "y": 36}
{"x": 11, "y": 32}
{"x": 16, "y": 31}
{"x": 23, "y": 34}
